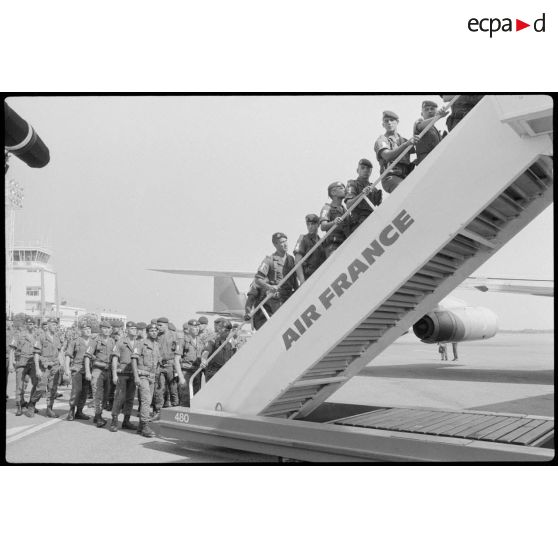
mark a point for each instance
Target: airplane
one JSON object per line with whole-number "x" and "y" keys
{"x": 451, "y": 321}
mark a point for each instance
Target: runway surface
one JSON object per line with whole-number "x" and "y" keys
{"x": 510, "y": 373}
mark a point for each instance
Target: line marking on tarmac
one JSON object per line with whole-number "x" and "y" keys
{"x": 34, "y": 429}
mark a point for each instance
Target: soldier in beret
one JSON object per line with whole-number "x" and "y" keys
{"x": 171, "y": 375}
{"x": 205, "y": 332}
{"x": 188, "y": 358}
{"x": 145, "y": 363}
{"x": 388, "y": 147}
{"x": 330, "y": 216}
{"x": 304, "y": 244}
{"x": 101, "y": 373}
{"x": 79, "y": 352}
{"x": 355, "y": 187}
{"x": 431, "y": 138}
{"x": 123, "y": 377}
{"x": 24, "y": 361}
{"x": 219, "y": 358}
{"x": 273, "y": 269}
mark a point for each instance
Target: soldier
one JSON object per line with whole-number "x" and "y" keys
{"x": 433, "y": 137}
{"x": 101, "y": 373}
{"x": 49, "y": 359}
{"x": 142, "y": 332}
{"x": 272, "y": 271}
{"x": 116, "y": 335}
{"x": 460, "y": 108}
{"x": 222, "y": 356}
{"x": 355, "y": 188}
{"x": 304, "y": 244}
{"x": 10, "y": 332}
{"x": 144, "y": 365}
{"x": 253, "y": 298}
{"x": 388, "y": 147}
{"x": 330, "y": 216}
{"x": 24, "y": 360}
{"x": 171, "y": 374}
{"x": 205, "y": 332}
{"x": 79, "y": 351}
{"x": 189, "y": 358}
{"x": 123, "y": 377}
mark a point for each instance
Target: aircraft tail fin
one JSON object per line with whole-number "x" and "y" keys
{"x": 226, "y": 296}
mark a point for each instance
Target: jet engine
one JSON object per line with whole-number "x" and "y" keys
{"x": 22, "y": 141}
{"x": 458, "y": 324}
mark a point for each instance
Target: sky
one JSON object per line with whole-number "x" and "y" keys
{"x": 202, "y": 183}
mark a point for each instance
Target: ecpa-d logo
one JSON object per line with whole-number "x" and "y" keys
{"x": 493, "y": 25}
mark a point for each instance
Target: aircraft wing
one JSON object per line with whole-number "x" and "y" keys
{"x": 207, "y": 273}
{"x": 536, "y": 287}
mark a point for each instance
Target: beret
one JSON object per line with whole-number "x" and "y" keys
{"x": 104, "y": 324}
{"x": 162, "y": 320}
{"x": 192, "y": 322}
{"x": 172, "y": 327}
{"x": 278, "y": 236}
{"x": 141, "y": 325}
{"x": 429, "y": 104}
{"x": 312, "y": 217}
{"x": 131, "y": 324}
{"x": 389, "y": 114}
{"x": 365, "y": 162}
{"x": 203, "y": 320}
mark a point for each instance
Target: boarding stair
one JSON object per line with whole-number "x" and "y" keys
{"x": 487, "y": 180}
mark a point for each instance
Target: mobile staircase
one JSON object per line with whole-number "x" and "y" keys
{"x": 487, "y": 180}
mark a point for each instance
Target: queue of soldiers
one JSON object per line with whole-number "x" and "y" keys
{"x": 268, "y": 281}
{"x": 150, "y": 359}
{"x": 112, "y": 365}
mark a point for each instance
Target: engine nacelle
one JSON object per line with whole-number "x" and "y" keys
{"x": 458, "y": 324}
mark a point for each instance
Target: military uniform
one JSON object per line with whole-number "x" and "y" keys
{"x": 362, "y": 210}
{"x": 398, "y": 172}
{"x": 78, "y": 350}
{"x": 328, "y": 214}
{"x": 26, "y": 346}
{"x": 303, "y": 245}
{"x": 101, "y": 374}
{"x": 147, "y": 359}
{"x": 49, "y": 357}
{"x": 253, "y": 298}
{"x": 273, "y": 269}
{"x": 190, "y": 351}
{"x": 125, "y": 391}
{"x": 430, "y": 139}
{"x": 221, "y": 357}
{"x": 167, "y": 379}
{"x": 461, "y": 108}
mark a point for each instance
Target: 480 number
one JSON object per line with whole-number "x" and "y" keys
{"x": 182, "y": 417}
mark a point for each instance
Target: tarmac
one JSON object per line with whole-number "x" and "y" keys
{"x": 510, "y": 373}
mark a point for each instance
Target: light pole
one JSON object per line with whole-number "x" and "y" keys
{"x": 13, "y": 202}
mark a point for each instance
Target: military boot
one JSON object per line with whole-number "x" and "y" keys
{"x": 81, "y": 416}
{"x": 71, "y": 413}
{"x": 101, "y": 421}
{"x": 30, "y": 412}
{"x": 114, "y": 424}
{"x": 156, "y": 416}
{"x": 127, "y": 425}
{"x": 50, "y": 413}
{"x": 140, "y": 427}
{"x": 147, "y": 432}
{"x": 19, "y": 411}
{"x": 96, "y": 418}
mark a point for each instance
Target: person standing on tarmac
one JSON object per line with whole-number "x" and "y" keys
{"x": 144, "y": 366}
{"x": 188, "y": 358}
{"x": 304, "y": 244}
{"x": 79, "y": 351}
{"x": 388, "y": 147}
{"x": 272, "y": 271}
{"x": 330, "y": 216}
{"x": 171, "y": 375}
{"x": 355, "y": 188}
{"x": 49, "y": 358}
{"x": 101, "y": 373}
{"x": 123, "y": 377}
{"x": 24, "y": 361}
{"x": 433, "y": 137}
